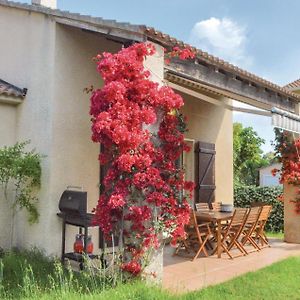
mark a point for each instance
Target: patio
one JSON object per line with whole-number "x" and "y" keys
{"x": 182, "y": 275}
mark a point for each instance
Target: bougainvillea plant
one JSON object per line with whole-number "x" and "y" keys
{"x": 143, "y": 187}
{"x": 287, "y": 150}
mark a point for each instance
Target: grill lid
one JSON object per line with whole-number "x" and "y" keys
{"x": 73, "y": 202}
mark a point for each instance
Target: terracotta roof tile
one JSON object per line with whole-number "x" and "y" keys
{"x": 155, "y": 35}
{"x": 11, "y": 90}
{"x": 293, "y": 85}
{"x": 221, "y": 63}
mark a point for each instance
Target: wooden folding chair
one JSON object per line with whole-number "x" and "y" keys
{"x": 197, "y": 236}
{"x": 202, "y": 207}
{"x": 232, "y": 232}
{"x": 249, "y": 228}
{"x": 216, "y": 206}
{"x": 259, "y": 232}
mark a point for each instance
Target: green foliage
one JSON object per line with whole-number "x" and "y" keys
{"x": 244, "y": 196}
{"x": 21, "y": 171}
{"x": 247, "y": 155}
{"x": 270, "y": 158}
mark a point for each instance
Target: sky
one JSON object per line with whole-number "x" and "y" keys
{"x": 259, "y": 36}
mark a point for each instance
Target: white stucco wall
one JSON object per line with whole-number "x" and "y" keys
{"x": 213, "y": 124}
{"x": 75, "y": 156}
{"x": 55, "y": 63}
{"x": 26, "y": 60}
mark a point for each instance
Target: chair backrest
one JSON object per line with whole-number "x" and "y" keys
{"x": 265, "y": 212}
{"x": 193, "y": 224}
{"x": 257, "y": 203}
{"x": 239, "y": 216}
{"x": 253, "y": 215}
{"x": 216, "y": 206}
{"x": 202, "y": 206}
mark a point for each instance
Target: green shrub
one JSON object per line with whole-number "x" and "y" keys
{"x": 20, "y": 170}
{"x": 245, "y": 195}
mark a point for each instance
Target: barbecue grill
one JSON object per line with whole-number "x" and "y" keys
{"x": 73, "y": 211}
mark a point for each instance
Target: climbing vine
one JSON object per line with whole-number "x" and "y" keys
{"x": 143, "y": 194}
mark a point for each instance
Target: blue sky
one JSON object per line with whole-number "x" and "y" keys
{"x": 260, "y": 36}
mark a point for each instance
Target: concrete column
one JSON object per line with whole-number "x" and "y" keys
{"x": 291, "y": 218}
{"x": 155, "y": 64}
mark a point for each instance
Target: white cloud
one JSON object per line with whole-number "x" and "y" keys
{"x": 223, "y": 38}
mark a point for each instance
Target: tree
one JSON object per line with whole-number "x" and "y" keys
{"x": 247, "y": 155}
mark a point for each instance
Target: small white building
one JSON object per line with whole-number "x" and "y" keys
{"x": 266, "y": 178}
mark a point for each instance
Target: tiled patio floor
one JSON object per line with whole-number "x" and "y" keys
{"x": 182, "y": 275}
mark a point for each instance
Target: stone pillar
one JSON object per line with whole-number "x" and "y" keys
{"x": 291, "y": 218}
{"x": 153, "y": 273}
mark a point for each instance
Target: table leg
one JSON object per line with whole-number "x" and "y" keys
{"x": 219, "y": 249}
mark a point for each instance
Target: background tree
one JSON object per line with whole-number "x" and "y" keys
{"x": 247, "y": 155}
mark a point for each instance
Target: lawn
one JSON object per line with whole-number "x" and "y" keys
{"x": 278, "y": 235}
{"x": 29, "y": 275}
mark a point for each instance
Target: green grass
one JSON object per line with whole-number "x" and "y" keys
{"x": 32, "y": 275}
{"x": 29, "y": 275}
{"x": 278, "y": 235}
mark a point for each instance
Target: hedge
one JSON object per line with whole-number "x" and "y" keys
{"x": 245, "y": 195}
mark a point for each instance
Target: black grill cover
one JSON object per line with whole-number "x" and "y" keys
{"x": 73, "y": 202}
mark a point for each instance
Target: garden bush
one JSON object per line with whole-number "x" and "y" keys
{"x": 245, "y": 195}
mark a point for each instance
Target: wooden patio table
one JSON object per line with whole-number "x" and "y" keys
{"x": 215, "y": 217}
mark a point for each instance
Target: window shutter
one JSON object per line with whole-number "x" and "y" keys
{"x": 205, "y": 172}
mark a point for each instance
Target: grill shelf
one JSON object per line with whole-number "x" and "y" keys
{"x": 79, "y": 257}
{"x": 78, "y": 220}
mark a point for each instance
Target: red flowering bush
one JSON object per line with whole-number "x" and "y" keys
{"x": 288, "y": 153}
{"x": 182, "y": 53}
{"x": 143, "y": 185}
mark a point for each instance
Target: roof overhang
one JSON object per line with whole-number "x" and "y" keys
{"x": 232, "y": 86}
{"x": 122, "y": 31}
{"x": 217, "y": 75}
{"x": 11, "y": 94}
{"x": 114, "y": 33}
{"x": 280, "y": 118}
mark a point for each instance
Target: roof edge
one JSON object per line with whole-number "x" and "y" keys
{"x": 158, "y": 37}
{"x": 167, "y": 40}
{"x": 11, "y": 90}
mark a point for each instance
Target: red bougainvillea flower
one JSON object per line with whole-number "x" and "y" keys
{"x": 143, "y": 183}
{"x": 116, "y": 201}
{"x": 132, "y": 267}
{"x": 287, "y": 151}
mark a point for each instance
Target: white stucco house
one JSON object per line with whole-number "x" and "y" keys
{"x": 45, "y": 64}
{"x": 266, "y": 178}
